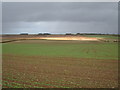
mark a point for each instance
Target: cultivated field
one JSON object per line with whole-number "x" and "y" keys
{"x": 38, "y": 63}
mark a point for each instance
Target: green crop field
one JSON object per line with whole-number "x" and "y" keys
{"x": 78, "y": 50}
{"x": 60, "y": 64}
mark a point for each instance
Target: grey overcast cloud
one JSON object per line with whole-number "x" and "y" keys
{"x": 60, "y": 17}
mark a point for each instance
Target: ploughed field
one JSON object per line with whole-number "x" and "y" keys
{"x": 60, "y": 64}
{"x": 51, "y": 37}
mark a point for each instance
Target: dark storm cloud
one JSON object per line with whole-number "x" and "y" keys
{"x": 68, "y": 16}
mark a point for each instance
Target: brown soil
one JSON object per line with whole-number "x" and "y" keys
{"x": 53, "y": 37}
{"x": 59, "y": 72}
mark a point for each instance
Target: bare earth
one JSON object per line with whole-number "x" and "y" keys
{"x": 58, "y": 72}
{"x": 53, "y": 37}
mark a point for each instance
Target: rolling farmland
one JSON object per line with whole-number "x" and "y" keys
{"x": 60, "y": 64}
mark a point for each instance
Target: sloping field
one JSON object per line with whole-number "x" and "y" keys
{"x": 52, "y": 37}
{"x": 75, "y": 49}
{"x": 60, "y": 64}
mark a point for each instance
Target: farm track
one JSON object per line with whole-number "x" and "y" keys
{"x": 7, "y": 41}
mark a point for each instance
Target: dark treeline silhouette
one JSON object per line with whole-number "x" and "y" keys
{"x": 44, "y": 34}
{"x": 23, "y": 33}
{"x": 96, "y": 34}
{"x": 90, "y": 34}
{"x": 40, "y": 34}
{"x": 70, "y": 34}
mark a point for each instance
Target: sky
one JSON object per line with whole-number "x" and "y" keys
{"x": 59, "y": 17}
{"x": 0, "y": 17}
